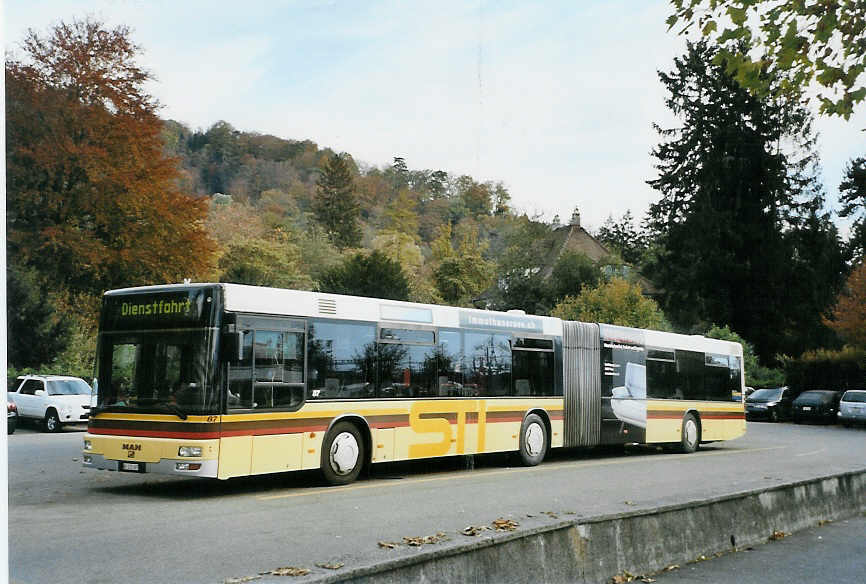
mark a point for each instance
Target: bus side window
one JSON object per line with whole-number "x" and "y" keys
{"x": 341, "y": 360}
{"x": 532, "y": 367}
{"x": 488, "y": 364}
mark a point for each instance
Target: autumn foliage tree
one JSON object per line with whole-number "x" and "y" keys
{"x": 849, "y": 316}
{"x": 93, "y": 202}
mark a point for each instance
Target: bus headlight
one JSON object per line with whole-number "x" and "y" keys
{"x": 189, "y": 451}
{"x": 88, "y": 445}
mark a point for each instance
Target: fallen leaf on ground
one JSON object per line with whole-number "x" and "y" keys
{"x": 241, "y": 580}
{"x": 388, "y": 544}
{"x": 289, "y": 571}
{"x": 473, "y": 529}
{"x": 622, "y": 578}
{"x": 551, "y": 514}
{"x": 671, "y": 568}
{"x": 335, "y": 566}
{"x": 777, "y": 535}
{"x": 502, "y": 524}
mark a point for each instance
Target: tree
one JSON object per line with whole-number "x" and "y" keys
{"x": 263, "y": 262}
{"x": 400, "y": 215}
{"x": 373, "y": 275}
{"x": 461, "y": 275}
{"x": 36, "y": 332}
{"x": 818, "y": 268}
{"x": 853, "y": 199}
{"x": 849, "y": 314}
{"x": 730, "y": 192}
{"x": 571, "y": 272}
{"x": 335, "y": 206}
{"x": 401, "y": 248}
{"x": 613, "y": 302}
{"x": 804, "y": 41}
{"x": 622, "y": 237}
{"x": 520, "y": 279}
{"x": 93, "y": 202}
{"x": 399, "y": 173}
{"x": 475, "y": 198}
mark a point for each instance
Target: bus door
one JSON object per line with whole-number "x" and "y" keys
{"x": 266, "y": 380}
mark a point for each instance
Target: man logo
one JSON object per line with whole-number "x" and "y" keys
{"x": 131, "y": 447}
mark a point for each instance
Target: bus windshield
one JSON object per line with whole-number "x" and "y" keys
{"x": 160, "y": 371}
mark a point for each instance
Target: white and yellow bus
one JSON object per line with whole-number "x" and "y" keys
{"x": 224, "y": 380}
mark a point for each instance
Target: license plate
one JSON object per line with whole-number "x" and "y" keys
{"x": 807, "y": 408}
{"x": 131, "y": 466}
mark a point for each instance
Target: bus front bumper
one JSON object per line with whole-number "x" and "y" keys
{"x": 182, "y": 467}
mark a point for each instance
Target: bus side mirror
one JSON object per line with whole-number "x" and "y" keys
{"x": 233, "y": 346}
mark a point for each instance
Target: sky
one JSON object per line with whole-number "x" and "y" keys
{"x": 556, "y": 100}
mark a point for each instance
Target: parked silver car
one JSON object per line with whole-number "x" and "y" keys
{"x": 852, "y": 407}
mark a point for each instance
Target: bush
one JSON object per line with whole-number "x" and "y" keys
{"x": 827, "y": 369}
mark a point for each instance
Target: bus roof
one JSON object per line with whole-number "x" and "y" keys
{"x": 301, "y": 303}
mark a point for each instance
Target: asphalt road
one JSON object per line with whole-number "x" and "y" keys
{"x": 71, "y": 524}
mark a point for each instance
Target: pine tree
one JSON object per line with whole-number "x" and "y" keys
{"x": 730, "y": 195}
{"x": 336, "y": 207}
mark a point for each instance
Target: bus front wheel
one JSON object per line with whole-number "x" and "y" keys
{"x": 691, "y": 434}
{"x": 533, "y": 440}
{"x": 342, "y": 454}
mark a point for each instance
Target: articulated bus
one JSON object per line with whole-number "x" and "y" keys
{"x": 225, "y": 380}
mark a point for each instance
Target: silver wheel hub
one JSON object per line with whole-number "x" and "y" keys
{"x": 534, "y": 439}
{"x": 344, "y": 453}
{"x": 691, "y": 431}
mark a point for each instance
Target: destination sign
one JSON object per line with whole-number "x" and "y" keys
{"x": 183, "y": 308}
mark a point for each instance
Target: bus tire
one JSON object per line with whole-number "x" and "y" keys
{"x": 533, "y": 440}
{"x": 342, "y": 454}
{"x": 690, "y": 439}
{"x": 51, "y": 423}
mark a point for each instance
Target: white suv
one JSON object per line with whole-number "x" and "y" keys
{"x": 52, "y": 399}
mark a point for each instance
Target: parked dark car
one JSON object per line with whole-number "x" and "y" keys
{"x": 852, "y": 407}
{"x": 771, "y": 404}
{"x": 816, "y": 406}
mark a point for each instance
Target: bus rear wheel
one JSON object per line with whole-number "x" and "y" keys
{"x": 342, "y": 454}
{"x": 691, "y": 434}
{"x": 533, "y": 440}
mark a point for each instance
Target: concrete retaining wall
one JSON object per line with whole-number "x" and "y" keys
{"x": 595, "y": 549}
